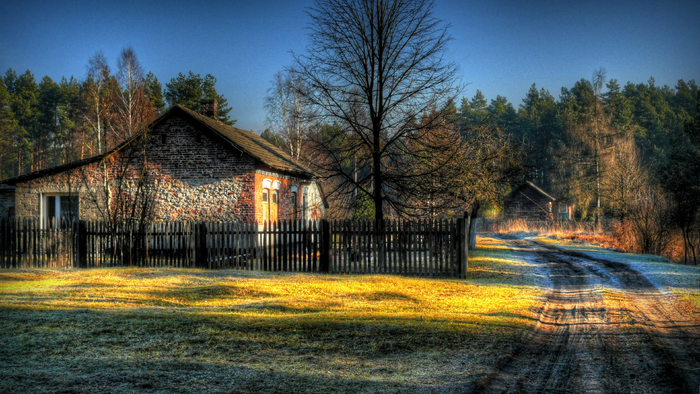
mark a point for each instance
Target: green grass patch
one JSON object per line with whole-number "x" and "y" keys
{"x": 177, "y": 330}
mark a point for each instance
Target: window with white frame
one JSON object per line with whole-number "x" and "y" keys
{"x": 59, "y": 206}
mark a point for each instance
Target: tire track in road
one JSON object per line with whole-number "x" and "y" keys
{"x": 604, "y": 328}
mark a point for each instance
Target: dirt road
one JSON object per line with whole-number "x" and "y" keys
{"x": 603, "y": 328}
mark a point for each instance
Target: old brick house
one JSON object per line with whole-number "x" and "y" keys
{"x": 528, "y": 201}
{"x": 198, "y": 169}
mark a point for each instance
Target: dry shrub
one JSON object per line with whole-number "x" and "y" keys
{"x": 651, "y": 223}
{"x": 624, "y": 237}
{"x": 579, "y": 231}
{"x": 676, "y": 248}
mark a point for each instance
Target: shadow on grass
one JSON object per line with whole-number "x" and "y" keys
{"x": 327, "y": 334}
{"x": 186, "y": 376}
{"x": 164, "y": 351}
{"x": 384, "y": 296}
{"x": 201, "y": 293}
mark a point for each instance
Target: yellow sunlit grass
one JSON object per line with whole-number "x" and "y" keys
{"x": 273, "y": 332}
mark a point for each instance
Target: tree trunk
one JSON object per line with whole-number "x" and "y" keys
{"x": 472, "y": 225}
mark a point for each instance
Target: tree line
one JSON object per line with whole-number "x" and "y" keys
{"x": 48, "y": 123}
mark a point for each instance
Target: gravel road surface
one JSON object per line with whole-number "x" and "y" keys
{"x": 602, "y": 328}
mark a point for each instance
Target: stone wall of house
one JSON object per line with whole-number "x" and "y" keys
{"x": 199, "y": 176}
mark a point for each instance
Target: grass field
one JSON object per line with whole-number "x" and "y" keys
{"x": 176, "y": 330}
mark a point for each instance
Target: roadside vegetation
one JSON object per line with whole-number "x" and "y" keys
{"x": 176, "y": 330}
{"x": 614, "y": 235}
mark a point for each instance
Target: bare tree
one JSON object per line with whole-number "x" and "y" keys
{"x": 288, "y": 110}
{"x": 97, "y": 99}
{"x": 134, "y": 110}
{"x": 651, "y": 219}
{"x": 624, "y": 177}
{"x": 123, "y": 195}
{"x": 373, "y": 68}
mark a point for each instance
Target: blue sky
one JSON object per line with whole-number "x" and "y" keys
{"x": 500, "y": 46}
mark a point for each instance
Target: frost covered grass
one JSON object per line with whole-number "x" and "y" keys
{"x": 682, "y": 281}
{"x": 176, "y": 330}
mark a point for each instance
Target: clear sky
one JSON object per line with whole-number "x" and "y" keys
{"x": 501, "y": 47}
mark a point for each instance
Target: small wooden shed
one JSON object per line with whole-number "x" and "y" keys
{"x": 528, "y": 201}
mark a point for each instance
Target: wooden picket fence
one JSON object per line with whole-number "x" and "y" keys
{"x": 423, "y": 248}
{"x": 27, "y": 243}
{"x": 420, "y": 248}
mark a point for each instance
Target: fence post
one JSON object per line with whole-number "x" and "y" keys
{"x": 463, "y": 245}
{"x": 202, "y": 251}
{"x": 325, "y": 247}
{"x": 79, "y": 244}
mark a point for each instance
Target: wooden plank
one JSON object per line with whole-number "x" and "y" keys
{"x": 3, "y": 242}
{"x": 302, "y": 246}
{"x": 283, "y": 245}
{"x": 314, "y": 245}
{"x": 361, "y": 245}
{"x": 355, "y": 236}
{"x": 270, "y": 257}
{"x": 264, "y": 247}
{"x": 439, "y": 247}
{"x": 253, "y": 245}
{"x": 432, "y": 252}
{"x": 425, "y": 249}
{"x": 296, "y": 238}
{"x": 235, "y": 233}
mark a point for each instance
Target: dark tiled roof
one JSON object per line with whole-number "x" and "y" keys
{"x": 532, "y": 185}
{"x": 242, "y": 140}
{"x": 252, "y": 144}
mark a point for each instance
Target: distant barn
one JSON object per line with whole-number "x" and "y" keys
{"x": 528, "y": 201}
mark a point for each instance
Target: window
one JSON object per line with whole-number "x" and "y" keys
{"x": 304, "y": 203}
{"x": 59, "y": 206}
{"x": 294, "y": 205}
{"x": 274, "y": 197}
{"x": 266, "y": 205}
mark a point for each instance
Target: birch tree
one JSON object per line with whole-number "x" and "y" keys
{"x": 97, "y": 102}
{"x": 289, "y": 112}
{"x": 134, "y": 110}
